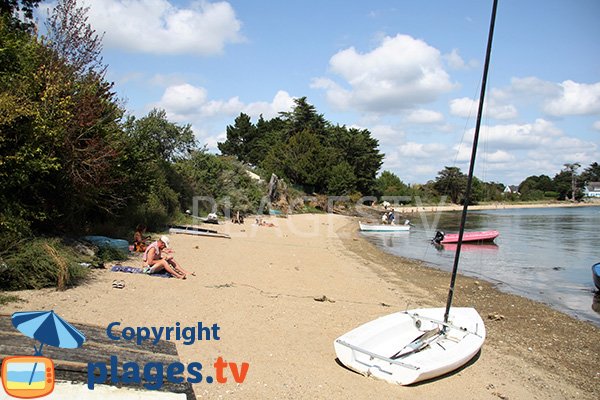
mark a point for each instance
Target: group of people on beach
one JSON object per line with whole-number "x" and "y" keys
{"x": 153, "y": 259}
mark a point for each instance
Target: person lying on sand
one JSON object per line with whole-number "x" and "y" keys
{"x": 155, "y": 261}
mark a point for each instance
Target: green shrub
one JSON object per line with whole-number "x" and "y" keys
{"x": 40, "y": 263}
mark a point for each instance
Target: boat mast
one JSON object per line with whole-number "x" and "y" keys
{"x": 472, "y": 164}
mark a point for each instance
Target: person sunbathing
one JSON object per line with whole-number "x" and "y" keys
{"x": 155, "y": 261}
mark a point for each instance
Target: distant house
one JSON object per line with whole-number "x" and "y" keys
{"x": 592, "y": 189}
{"x": 511, "y": 189}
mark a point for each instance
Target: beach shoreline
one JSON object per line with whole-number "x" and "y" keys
{"x": 282, "y": 294}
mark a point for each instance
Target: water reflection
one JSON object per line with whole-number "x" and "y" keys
{"x": 596, "y": 302}
{"x": 468, "y": 247}
{"x": 387, "y": 239}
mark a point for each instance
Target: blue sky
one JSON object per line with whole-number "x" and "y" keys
{"x": 408, "y": 71}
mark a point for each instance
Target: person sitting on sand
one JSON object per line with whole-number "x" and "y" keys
{"x": 154, "y": 261}
{"x": 139, "y": 240}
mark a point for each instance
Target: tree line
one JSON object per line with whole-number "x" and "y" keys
{"x": 72, "y": 160}
{"x": 451, "y": 182}
{"x": 308, "y": 151}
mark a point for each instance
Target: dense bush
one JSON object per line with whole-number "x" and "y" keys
{"x": 40, "y": 263}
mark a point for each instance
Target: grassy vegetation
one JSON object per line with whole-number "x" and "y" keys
{"x": 42, "y": 262}
{"x": 8, "y": 298}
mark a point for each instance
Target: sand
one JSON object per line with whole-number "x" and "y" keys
{"x": 281, "y": 295}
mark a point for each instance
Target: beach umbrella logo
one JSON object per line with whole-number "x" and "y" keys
{"x": 33, "y": 376}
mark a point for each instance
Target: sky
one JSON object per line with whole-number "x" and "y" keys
{"x": 409, "y": 71}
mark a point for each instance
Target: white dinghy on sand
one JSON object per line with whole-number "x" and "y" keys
{"x": 416, "y": 345}
{"x": 412, "y": 346}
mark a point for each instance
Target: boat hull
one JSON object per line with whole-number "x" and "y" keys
{"x": 370, "y": 348}
{"x": 596, "y": 275}
{"x": 469, "y": 237}
{"x": 197, "y": 232}
{"x": 383, "y": 228}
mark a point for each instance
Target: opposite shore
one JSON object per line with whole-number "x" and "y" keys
{"x": 491, "y": 206}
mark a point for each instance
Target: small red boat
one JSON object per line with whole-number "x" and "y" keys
{"x": 468, "y": 237}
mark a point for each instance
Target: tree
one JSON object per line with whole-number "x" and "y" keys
{"x": 572, "y": 170}
{"x": 11, "y": 9}
{"x": 360, "y": 150}
{"x": 302, "y": 146}
{"x": 240, "y": 138}
{"x": 159, "y": 138}
{"x": 342, "y": 180}
{"x": 451, "y": 182}
{"x": 534, "y": 187}
{"x": 74, "y": 40}
{"x": 304, "y": 116}
{"x": 389, "y": 184}
{"x": 591, "y": 174}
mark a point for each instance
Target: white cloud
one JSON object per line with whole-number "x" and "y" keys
{"x": 532, "y": 86}
{"x": 399, "y": 74}
{"x": 575, "y": 99}
{"x": 555, "y": 99}
{"x": 518, "y": 136}
{"x": 455, "y": 61}
{"x": 467, "y": 108}
{"x": 424, "y": 116}
{"x": 160, "y": 27}
{"x": 420, "y": 150}
{"x": 183, "y": 99}
{"x": 188, "y": 104}
{"x": 186, "y": 101}
{"x": 596, "y": 125}
{"x": 386, "y": 134}
{"x": 463, "y": 107}
{"x": 282, "y": 102}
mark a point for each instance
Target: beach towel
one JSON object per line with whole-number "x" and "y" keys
{"x": 135, "y": 270}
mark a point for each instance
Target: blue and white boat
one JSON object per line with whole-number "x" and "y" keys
{"x": 596, "y": 275}
{"x": 384, "y": 228}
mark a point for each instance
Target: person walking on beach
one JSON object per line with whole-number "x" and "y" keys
{"x": 154, "y": 261}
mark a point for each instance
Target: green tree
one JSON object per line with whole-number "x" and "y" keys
{"x": 240, "y": 138}
{"x": 451, "y": 182}
{"x": 591, "y": 174}
{"x": 221, "y": 178}
{"x": 159, "y": 138}
{"x": 342, "y": 180}
{"x": 60, "y": 137}
{"x": 360, "y": 150}
{"x": 306, "y": 161}
{"x": 389, "y": 184}
{"x": 12, "y": 11}
{"x": 534, "y": 187}
{"x": 567, "y": 184}
{"x": 303, "y": 117}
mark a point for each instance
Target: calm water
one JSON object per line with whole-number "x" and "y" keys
{"x": 545, "y": 254}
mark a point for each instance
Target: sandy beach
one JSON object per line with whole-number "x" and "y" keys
{"x": 281, "y": 295}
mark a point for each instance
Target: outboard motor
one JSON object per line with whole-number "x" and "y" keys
{"x": 439, "y": 236}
